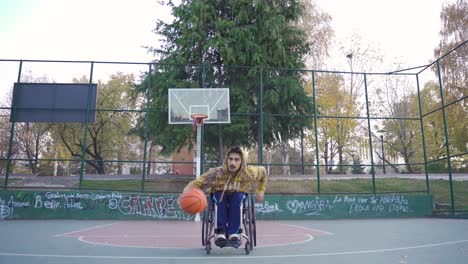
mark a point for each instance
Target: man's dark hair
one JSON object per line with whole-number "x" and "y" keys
{"x": 235, "y": 149}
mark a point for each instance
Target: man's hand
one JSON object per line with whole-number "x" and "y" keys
{"x": 186, "y": 189}
{"x": 259, "y": 197}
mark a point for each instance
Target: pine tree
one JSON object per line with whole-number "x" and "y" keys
{"x": 200, "y": 48}
{"x": 357, "y": 166}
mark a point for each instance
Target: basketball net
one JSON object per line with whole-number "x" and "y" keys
{"x": 197, "y": 119}
{"x": 197, "y": 123}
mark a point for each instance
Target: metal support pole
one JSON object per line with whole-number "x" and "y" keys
{"x": 143, "y": 176}
{"x": 12, "y": 129}
{"x": 260, "y": 136}
{"x": 202, "y": 129}
{"x": 383, "y": 154}
{"x": 198, "y": 155}
{"x": 422, "y": 135}
{"x": 302, "y": 153}
{"x": 446, "y": 134}
{"x": 85, "y": 128}
{"x": 198, "y": 159}
{"x": 370, "y": 135}
{"x": 317, "y": 159}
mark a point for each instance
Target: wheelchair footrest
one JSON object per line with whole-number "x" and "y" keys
{"x": 228, "y": 243}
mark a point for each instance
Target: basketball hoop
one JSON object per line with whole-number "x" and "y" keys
{"x": 198, "y": 119}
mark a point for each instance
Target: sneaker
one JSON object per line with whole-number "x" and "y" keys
{"x": 220, "y": 240}
{"x": 234, "y": 240}
{"x": 234, "y": 237}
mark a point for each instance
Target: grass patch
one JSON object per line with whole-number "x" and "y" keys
{"x": 440, "y": 189}
{"x": 10, "y": 181}
{"x": 155, "y": 186}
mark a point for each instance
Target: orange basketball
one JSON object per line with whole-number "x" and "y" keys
{"x": 193, "y": 201}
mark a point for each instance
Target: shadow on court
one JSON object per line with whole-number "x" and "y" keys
{"x": 421, "y": 240}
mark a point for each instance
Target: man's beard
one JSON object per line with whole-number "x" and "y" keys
{"x": 233, "y": 168}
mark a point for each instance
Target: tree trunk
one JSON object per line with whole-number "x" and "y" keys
{"x": 269, "y": 158}
{"x": 285, "y": 156}
{"x": 409, "y": 168}
{"x": 148, "y": 167}
{"x": 101, "y": 167}
{"x": 55, "y": 163}
{"x": 325, "y": 157}
{"x": 340, "y": 157}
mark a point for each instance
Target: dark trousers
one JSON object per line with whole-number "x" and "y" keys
{"x": 229, "y": 212}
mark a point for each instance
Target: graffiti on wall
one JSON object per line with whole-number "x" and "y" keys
{"x": 148, "y": 206}
{"x": 346, "y": 205}
{"x": 115, "y": 205}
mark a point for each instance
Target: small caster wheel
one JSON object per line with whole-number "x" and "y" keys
{"x": 208, "y": 248}
{"x": 247, "y": 248}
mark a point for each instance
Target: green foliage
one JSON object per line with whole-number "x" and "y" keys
{"x": 222, "y": 34}
{"x": 357, "y": 167}
{"x": 108, "y": 137}
{"x": 436, "y": 167}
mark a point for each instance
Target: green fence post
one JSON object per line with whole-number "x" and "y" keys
{"x": 447, "y": 148}
{"x": 85, "y": 133}
{"x": 12, "y": 128}
{"x": 202, "y": 141}
{"x": 317, "y": 159}
{"x": 260, "y": 108}
{"x": 143, "y": 176}
{"x": 370, "y": 135}
{"x": 302, "y": 152}
{"x": 422, "y": 134}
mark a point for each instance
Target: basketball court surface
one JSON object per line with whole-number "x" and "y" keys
{"x": 402, "y": 241}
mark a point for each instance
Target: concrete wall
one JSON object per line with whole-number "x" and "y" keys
{"x": 115, "y": 205}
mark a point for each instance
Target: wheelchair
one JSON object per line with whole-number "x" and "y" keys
{"x": 248, "y": 230}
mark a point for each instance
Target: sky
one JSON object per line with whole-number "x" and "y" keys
{"x": 404, "y": 31}
{"x": 115, "y": 30}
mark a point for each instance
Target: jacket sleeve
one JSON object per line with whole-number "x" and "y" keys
{"x": 261, "y": 180}
{"x": 205, "y": 180}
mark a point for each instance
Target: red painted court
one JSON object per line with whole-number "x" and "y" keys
{"x": 183, "y": 234}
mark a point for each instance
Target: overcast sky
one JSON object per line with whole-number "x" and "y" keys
{"x": 115, "y": 30}
{"x": 404, "y": 31}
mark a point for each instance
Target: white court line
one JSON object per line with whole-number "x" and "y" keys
{"x": 293, "y": 243}
{"x": 85, "y": 229}
{"x": 83, "y": 239}
{"x": 310, "y": 229}
{"x": 240, "y": 257}
{"x": 178, "y": 236}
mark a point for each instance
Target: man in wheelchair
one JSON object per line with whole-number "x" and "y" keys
{"x": 229, "y": 185}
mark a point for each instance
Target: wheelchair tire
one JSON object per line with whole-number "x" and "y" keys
{"x": 208, "y": 247}
{"x": 254, "y": 225}
{"x": 249, "y": 223}
{"x": 247, "y": 247}
{"x": 207, "y": 222}
{"x": 204, "y": 227}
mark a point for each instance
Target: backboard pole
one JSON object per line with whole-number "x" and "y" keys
{"x": 198, "y": 161}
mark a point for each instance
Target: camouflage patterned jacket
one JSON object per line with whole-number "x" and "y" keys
{"x": 220, "y": 179}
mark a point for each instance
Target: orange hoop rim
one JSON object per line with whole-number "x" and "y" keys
{"x": 198, "y": 118}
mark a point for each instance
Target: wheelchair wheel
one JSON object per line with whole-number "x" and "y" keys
{"x": 248, "y": 224}
{"x": 204, "y": 223}
{"x": 207, "y": 224}
{"x": 254, "y": 225}
{"x": 208, "y": 247}
{"x": 247, "y": 248}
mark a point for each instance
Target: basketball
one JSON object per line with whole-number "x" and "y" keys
{"x": 193, "y": 201}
